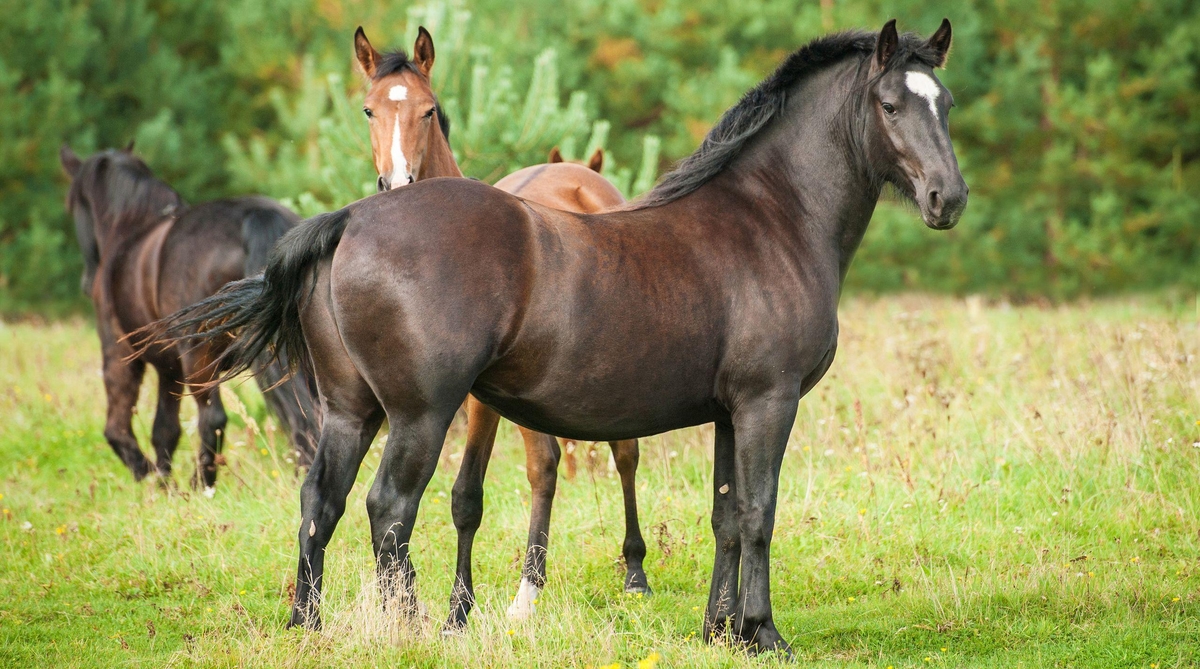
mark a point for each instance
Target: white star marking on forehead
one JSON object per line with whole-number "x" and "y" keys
{"x": 923, "y": 85}
{"x": 398, "y": 93}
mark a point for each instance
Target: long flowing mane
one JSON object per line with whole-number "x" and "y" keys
{"x": 754, "y": 112}
{"x": 123, "y": 193}
{"x": 396, "y": 61}
{"x": 126, "y": 200}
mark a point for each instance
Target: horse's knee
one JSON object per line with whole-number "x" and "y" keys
{"x": 466, "y": 505}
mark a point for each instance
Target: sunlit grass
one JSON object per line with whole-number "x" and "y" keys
{"x": 972, "y": 484}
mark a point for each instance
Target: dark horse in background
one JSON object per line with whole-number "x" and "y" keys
{"x": 147, "y": 254}
{"x": 711, "y": 300}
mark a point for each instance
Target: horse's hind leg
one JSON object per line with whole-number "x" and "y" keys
{"x": 351, "y": 418}
{"x": 409, "y": 461}
{"x": 541, "y": 463}
{"x": 626, "y": 455}
{"x": 166, "y": 431}
{"x": 466, "y": 504}
{"x": 346, "y": 434}
{"x": 122, "y": 379}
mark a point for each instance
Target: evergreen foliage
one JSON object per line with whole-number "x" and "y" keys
{"x": 1077, "y": 125}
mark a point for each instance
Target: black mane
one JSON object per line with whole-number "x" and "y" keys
{"x": 394, "y": 62}
{"x": 121, "y": 189}
{"x": 762, "y": 103}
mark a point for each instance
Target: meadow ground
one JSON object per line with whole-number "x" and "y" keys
{"x": 971, "y": 485}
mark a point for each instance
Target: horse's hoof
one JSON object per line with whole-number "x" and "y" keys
{"x": 643, "y": 590}
{"x": 306, "y": 623}
{"x": 453, "y": 630}
{"x": 523, "y": 605}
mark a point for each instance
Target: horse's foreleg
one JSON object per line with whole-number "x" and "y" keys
{"x": 541, "y": 463}
{"x": 409, "y": 461}
{"x": 122, "y": 379}
{"x": 724, "y": 590}
{"x": 762, "y": 434}
{"x": 626, "y": 454}
{"x": 166, "y": 431}
{"x": 345, "y": 438}
{"x": 467, "y": 504}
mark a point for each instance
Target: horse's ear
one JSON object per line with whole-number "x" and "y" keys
{"x": 596, "y": 162}
{"x": 940, "y": 42}
{"x": 368, "y": 57}
{"x": 555, "y": 156}
{"x": 129, "y": 147}
{"x": 885, "y": 46}
{"x": 70, "y": 161}
{"x": 423, "y": 51}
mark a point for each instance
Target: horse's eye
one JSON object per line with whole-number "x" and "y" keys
{"x": 368, "y": 112}
{"x": 889, "y": 108}
{"x": 429, "y": 114}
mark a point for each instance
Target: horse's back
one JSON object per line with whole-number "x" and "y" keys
{"x": 565, "y": 186}
{"x": 208, "y": 246}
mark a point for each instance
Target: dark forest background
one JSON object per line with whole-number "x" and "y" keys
{"x": 1077, "y": 123}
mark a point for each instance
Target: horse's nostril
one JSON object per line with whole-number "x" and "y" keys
{"x": 382, "y": 184}
{"x": 410, "y": 179}
{"x": 935, "y": 202}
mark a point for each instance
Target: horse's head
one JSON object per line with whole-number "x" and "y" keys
{"x": 908, "y": 108}
{"x": 409, "y": 134}
{"x": 109, "y": 189}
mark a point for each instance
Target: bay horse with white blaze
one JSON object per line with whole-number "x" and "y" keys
{"x": 711, "y": 300}
{"x": 147, "y": 254}
{"x": 410, "y": 142}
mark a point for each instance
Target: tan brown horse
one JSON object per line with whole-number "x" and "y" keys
{"x": 410, "y": 142}
{"x": 147, "y": 254}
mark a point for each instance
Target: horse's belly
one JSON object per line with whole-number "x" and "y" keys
{"x": 615, "y": 399}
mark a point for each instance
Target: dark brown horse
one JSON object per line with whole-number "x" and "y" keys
{"x": 410, "y": 142}
{"x": 146, "y": 254}
{"x": 712, "y": 300}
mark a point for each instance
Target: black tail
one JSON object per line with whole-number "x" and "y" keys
{"x": 292, "y": 399}
{"x": 261, "y": 314}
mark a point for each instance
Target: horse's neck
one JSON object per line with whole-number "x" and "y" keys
{"x": 439, "y": 160}
{"x": 798, "y": 180}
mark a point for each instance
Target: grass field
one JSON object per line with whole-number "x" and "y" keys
{"x": 971, "y": 485}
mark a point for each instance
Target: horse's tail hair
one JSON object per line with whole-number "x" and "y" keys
{"x": 260, "y": 315}
{"x": 292, "y": 399}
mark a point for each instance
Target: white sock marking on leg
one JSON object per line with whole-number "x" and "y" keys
{"x": 523, "y": 605}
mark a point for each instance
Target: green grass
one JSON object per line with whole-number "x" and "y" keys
{"x": 971, "y": 485}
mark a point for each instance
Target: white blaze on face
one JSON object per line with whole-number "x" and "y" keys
{"x": 399, "y": 175}
{"x": 399, "y": 163}
{"x": 522, "y": 607}
{"x": 923, "y": 85}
